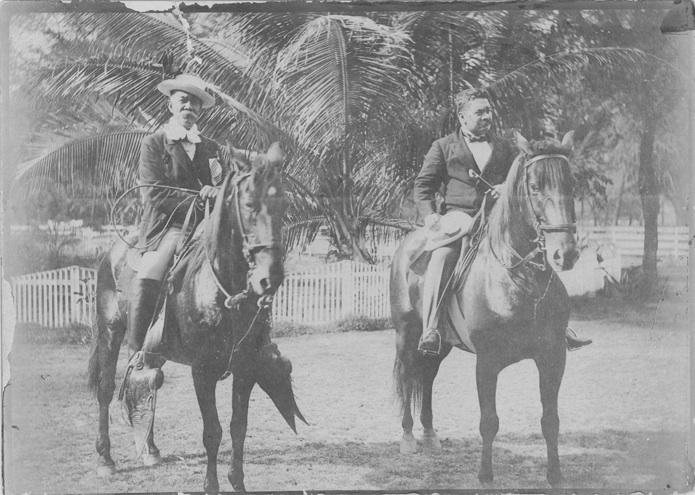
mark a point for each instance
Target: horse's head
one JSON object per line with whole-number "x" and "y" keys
{"x": 260, "y": 203}
{"x": 543, "y": 188}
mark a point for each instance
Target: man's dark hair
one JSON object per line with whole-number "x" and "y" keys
{"x": 468, "y": 95}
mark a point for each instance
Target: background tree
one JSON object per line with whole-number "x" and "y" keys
{"x": 356, "y": 99}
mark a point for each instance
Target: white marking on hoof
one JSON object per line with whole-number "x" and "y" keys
{"x": 152, "y": 459}
{"x": 431, "y": 442}
{"x": 408, "y": 444}
{"x": 106, "y": 471}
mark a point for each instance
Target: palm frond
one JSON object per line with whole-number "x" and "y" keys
{"x": 336, "y": 70}
{"x": 100, "y": 164}
{"x": 553, "y": 69}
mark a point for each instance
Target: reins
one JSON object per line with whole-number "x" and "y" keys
{"x": 192, "y": 192}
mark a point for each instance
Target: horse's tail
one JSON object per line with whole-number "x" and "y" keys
{"x": 407, "y": 384}
{"x": 407, "y": 367}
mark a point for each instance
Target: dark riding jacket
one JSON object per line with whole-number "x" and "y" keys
{"x": 446, "y": 170}
{"x": 165, "y": 162}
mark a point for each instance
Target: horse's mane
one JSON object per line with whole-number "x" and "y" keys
{"x": 510, "y": 207}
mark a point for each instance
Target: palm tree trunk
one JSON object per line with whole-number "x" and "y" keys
{"x": 649, "y": 195}
{"x": 621, "y": 191}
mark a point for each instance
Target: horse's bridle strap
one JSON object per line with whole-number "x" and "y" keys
{"x": 543, "y": 157}
{"x": 545, "y": 227}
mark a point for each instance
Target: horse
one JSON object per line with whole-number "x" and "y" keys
{"x": 216, "y": 314}
{"x": 510, "y": 306}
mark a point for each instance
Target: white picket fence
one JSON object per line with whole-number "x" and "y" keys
{"x": 673, "y": 241}
{"x": 55, "y": 298}
{"x": 328, "y": 293}
{"x": 333, "y": 292}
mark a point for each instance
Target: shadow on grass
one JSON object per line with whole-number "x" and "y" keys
{"x": 610, "y": 459}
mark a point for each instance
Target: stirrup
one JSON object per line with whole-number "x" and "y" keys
{"x": 138, "y": 396}
{"x": 429, "y": 351}
{"x": 578, "y": 342}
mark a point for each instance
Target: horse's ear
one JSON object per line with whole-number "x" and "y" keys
{"x": 239, "y": 157}
{"x": 275, "y": 154}
{"x": 568, "y": 140}
{"x": 522, "y": 143}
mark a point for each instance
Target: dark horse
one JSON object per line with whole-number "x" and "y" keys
{"x": 239, "y": 254}
{"x": 513, "y": 306}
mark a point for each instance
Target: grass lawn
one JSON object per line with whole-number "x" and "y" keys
{"x": 623, "y": 409}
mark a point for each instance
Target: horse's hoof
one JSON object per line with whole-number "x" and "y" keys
{"x": 239, "y": 487}
{"x": 408, "y": 445}
{"x": 431, "y": 442}
{"x": 104, "y": 471}
{"x": 488, "y": 481}
{"x": 557, "y": 481}
{"x": 211, "y": 488}
{"x": 152, "y": 459}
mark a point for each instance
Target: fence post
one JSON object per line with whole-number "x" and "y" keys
{"x": 348, "y": 289}
{"x": 74, "y": 275}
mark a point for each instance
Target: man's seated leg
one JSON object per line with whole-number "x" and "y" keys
{"x": 439, "y": 271}
{"x": 145, "y": 288}
{"x": 142, "y": 379}
{"x": 142, "y": 298}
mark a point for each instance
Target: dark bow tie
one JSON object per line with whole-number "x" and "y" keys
{"x": 478, "y": 139}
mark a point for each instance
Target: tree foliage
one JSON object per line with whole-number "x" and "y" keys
{"x": 355, "y": 99}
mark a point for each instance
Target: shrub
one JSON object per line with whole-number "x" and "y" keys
{"x": 356, "y": 324}
{"x": 32, "y": 334}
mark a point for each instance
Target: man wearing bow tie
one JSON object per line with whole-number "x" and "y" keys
{"x": 459, "y": 166}
{"x": 175, "y": 156}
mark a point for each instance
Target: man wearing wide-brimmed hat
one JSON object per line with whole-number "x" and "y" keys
{"x": 174, "y": 156}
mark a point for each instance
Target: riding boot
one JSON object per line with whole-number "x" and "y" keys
{"x": 142, "y": 304}
{"x": 575, "y": 342}
{"x": 437, "y": 284}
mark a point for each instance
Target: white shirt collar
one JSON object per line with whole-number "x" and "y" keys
{"x": 176, "y": 132}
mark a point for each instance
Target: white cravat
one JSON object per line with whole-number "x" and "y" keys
{"x": 188, "y": 137}
{"x": 481, "y": 150}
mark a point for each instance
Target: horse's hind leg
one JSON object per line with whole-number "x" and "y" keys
{"x": 405, "y": 378}
{"x": 242, "y": 388}
{"x": 205, "y": 384}
{"x": 102, "y": 367}
{"x": 430, "y": 368}
{"x": 551, "y": 368}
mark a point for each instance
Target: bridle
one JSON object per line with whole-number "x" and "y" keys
{"x": 248, "y": 248}
{"x": 540, "y": 224}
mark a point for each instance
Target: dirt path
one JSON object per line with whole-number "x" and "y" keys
{"x": 623, "y": 408}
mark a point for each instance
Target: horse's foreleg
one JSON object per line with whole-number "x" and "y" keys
{"x": 242, "y": 388}
{"x": 205, "y": 384}
{"x": 486, "y": 377}
{"x": 430, "y": 368}
{"x": 550, "y": 376}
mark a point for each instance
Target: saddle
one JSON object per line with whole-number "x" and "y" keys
{"x": 453, "y": 315}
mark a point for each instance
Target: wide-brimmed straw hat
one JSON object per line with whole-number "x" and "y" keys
{"x": 190, "y": 84}
{"x": 450, "y": 227}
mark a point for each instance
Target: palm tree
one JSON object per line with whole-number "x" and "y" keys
{"x": 356, "y": 99}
